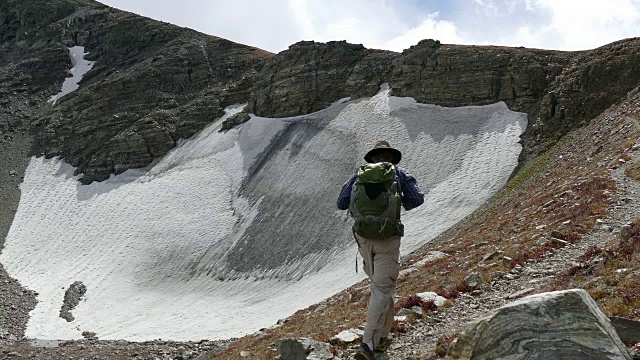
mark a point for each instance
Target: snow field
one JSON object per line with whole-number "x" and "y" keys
{"x": 231, "y": 231}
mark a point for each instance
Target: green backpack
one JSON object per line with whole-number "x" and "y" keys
{"x": 375, "y": 202}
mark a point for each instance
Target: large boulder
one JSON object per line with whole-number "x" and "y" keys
{"x": 556, "y": 325}
{"x": 303, "y": 349}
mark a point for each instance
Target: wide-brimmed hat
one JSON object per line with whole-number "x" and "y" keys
{"x": 381, "y": 147}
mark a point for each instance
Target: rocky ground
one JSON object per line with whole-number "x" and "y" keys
{"x": 15, "y": 143}
{"x": 99, "y": 350}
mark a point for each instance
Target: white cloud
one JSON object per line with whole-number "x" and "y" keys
{"x": 367, "y": 22}
{"x": 375, "y": 24}
{"x": 430, "y": 28}
{"x": 302, "y": 18}
{"x": 529, "y": 4}
{"x": 269, "y": 25}
{"x": 581, "y": 24}
{"x": 274, "y": 25}
{"x": 487, "y": 7}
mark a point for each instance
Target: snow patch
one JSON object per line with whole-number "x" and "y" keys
{"x": 79, "y": 68}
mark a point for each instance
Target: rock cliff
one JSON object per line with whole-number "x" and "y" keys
{"x": 309, "y": 76}
{"x": 558, "y": 90}
{"x": 591, "y": 82}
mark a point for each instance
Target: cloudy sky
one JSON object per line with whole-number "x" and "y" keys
{"x": 397, "y": 24}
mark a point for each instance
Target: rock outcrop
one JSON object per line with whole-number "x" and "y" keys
{"x": 309, "y": 76}
{"x": 591, "y": 82}
{"x": 557, "y": 325}
{"x": 72, "y": 297}
{"x": 455, "y": 75}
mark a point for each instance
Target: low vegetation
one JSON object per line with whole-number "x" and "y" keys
{"x": 610, "y": 273}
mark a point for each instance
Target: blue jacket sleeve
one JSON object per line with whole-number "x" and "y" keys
{"x": 412, "y": 196}
{"x": 345, "y": 194}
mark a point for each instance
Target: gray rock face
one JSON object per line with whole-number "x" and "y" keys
{"x": 303, "y": 349}
{"x": 588, "y": 85}
{"x": 453, "y": 75}
{"x": 309, "y": 76}
{"x": 556, "y": 325}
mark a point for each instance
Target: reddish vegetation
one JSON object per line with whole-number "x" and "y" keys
{"x": 413, "y": 300}
{"x": 617, "y": 289}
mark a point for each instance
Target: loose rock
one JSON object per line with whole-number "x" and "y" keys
{"x": 303, "y": 348}
{"x": 520, "y": 293}
{"x": 72, "y": 298}
{"x": 474, "y": 281}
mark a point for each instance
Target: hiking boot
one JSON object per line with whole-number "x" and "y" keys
{"x": 384, "y": 344}
{"x": 364, "y": 353}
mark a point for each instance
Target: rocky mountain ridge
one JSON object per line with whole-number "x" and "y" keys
{"x": 558, "y": 90}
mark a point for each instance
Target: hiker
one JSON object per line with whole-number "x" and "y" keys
{"x": 373, "y": 197}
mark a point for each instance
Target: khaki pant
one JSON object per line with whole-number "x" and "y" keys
{"x": 381, "y": 265}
